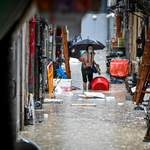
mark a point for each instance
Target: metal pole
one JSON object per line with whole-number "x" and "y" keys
{"x": 18, "y": 80}
{"x": 43, "y": 61}
{"x": 54, "y": 44}
{"x": 47, "y": 43}
{"x": 47, "y": 53}
{"x": 36, "y": 79}
{"x": 37, "y": 57}
{"x": 23, "y": 76}
{"x": 50, "y": 43}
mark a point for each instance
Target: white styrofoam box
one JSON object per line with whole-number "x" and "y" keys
{"x": 65, "y": 84}
{"x": 146, "y": 96}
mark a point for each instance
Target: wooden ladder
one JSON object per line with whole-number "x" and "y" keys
{"x": 147, "y": 135}
{"x": 144, "y": 74}
{"x": 66, "y": 55}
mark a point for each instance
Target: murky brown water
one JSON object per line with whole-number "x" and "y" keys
{"x": 111, "y": 125}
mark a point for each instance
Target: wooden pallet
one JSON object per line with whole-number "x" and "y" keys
{"x": 144, "y": 74}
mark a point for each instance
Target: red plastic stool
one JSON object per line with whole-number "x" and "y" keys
{"x": 99, "y": 83}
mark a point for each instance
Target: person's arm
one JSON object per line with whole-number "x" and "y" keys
{"x": 81, "y": 59}
{"x": 95, "y": 63}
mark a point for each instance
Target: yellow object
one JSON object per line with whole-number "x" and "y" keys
{"x": 50, "y": 78}
{"x": 30, "y": 93}
{"x": 83, "y": 105}
{"x": 120, "y": 41}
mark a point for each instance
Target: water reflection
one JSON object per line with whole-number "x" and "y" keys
{"x": 111, "y": 125}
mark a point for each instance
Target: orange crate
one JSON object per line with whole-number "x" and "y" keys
{"x": 50, "y": 78}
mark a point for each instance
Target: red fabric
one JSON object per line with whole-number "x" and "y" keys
{"x": 119, "y": 67}
{"x": 32, "y": 45}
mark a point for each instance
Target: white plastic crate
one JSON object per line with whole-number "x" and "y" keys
{"x": 65, "y": 84}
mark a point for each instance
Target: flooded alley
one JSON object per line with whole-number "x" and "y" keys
{"x": 111, "y": 125}
{"x": 75, "y": 74}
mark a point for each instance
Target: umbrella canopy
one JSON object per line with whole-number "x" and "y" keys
{"x": 71, "y": 43}
{"x": 82, "y": 45}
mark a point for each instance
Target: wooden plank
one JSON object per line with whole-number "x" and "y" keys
{"x": 145, "y": 92}
{"x": 147, "y": 136}
{"x": 144, "y": 87}
{"x": 65, "y": 47}
{"x": 144, "y": 83}
{"x": 84, "y": 105}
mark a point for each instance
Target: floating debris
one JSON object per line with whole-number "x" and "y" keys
{"x": 83, "y": 105}
{"x": 47, "y": 100}
{"x": 120, "y": 104}
{"x": 139, "y": 107}
{"x": 116, "y": 81}
{"x": 94, "y": 94}
{"x": 69, "y": 93}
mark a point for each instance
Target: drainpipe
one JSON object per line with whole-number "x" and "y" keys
{"x": 31, "y": 57}
{"x": 54, "y": 44}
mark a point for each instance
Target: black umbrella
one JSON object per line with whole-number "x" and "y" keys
{"x": 71, "y": 43}
{"x": 82, "y": 45}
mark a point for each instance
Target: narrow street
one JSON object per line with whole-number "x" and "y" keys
{"x": 111, "y": 125}
{"x": 76, "y": 74}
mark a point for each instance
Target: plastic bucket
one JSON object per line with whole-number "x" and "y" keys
{"x": 100, "y": 83}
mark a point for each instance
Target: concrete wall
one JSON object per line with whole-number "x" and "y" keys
{"x": 112, "y": 27}
{"x": 95, "y": 29}
{"x": 74, "y": 29}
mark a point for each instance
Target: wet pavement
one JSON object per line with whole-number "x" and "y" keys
{"x": 111, "y": 125}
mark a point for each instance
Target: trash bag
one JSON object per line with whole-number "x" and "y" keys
{"x": 119, "y": 67}
{"x": 116, "y": 81}
{"x": 139, "y": 107}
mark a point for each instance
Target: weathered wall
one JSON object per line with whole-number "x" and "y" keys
{"x": 95, "y": 29}
{"x": 74, "y": 29}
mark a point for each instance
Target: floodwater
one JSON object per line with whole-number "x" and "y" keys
{"x": 111, "y": 125}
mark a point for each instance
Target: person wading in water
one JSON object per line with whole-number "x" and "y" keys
{"x": 87, "y": 59}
